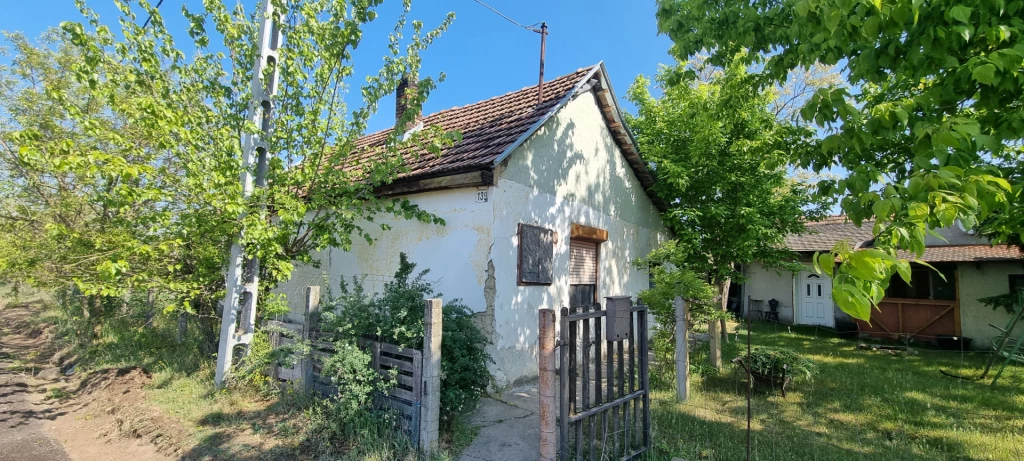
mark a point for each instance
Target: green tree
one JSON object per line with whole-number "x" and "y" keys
{"x": 720, "y": 155}
{"x": 929, "y": 126}
{"x": 121, "y": 152}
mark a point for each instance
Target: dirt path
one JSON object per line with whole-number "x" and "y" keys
{"x": 23, "y": 414}
{"x": 89, "y": 425}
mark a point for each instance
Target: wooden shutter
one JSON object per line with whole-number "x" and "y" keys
{"x": 536, "y": 251}
{"x": 582, "y": 263}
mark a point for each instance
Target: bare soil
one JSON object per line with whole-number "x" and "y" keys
{"x": 49, "y": 416}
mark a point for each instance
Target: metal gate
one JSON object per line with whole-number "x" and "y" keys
{"x": 604, "y": 399}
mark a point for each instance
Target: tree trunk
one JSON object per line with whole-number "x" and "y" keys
{"x": 723, "y": 294}
{"x": 182, "y": 327}
{"x": 151, "y": 306}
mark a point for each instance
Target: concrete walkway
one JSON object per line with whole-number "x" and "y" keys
{"x": 509, "y": 427}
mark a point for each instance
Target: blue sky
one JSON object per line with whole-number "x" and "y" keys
{"x": 482, "y": 54}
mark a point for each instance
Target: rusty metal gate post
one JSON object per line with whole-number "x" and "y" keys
{"x": 546, "y": 366}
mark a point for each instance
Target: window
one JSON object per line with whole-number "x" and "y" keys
{"x": 536, "y": 251}
{"x": 925, "y": 283}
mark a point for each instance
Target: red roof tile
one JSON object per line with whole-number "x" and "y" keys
{"x": 823, "y": 235}
{"x": 488, "y": 128}
{"x": 968, "y": 253}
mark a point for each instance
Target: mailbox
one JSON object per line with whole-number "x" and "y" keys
{"x": 618, "y": 310}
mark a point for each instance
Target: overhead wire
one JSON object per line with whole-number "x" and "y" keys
{"x": 530, "y": 27}
{"x": 151, "y": 14}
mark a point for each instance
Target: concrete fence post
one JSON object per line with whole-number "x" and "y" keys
{"x": 310, "y": 319}
{"x": 430, "y": 410}
{"x": 715, "y": 343}
{"x": 682, "y": 351}
{"x": 547, "y": 371}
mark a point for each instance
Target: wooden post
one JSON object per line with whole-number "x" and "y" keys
{"x": 714, "y": 341}
{"x": 430, "y": 410}
{"x": 546, "y": 367}
{"x": 150, "y": 308}
{"x": 310, "y": 319}
{"x": 682, "y": 352}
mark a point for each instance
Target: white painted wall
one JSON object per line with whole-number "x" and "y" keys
{"x": 980, "y": 281}
{"x": 765, "y": 284}
{"x": 456, "y": 253}
{"x": 570, "y": 171}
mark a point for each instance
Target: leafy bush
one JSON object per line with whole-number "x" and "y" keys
{"x": 770, "y": 361}
{"x": 668, "y": 283}
{"x": 336, "y": 430}
{"x": 396, "y": 316}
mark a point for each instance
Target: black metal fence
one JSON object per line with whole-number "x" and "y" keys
{"x": 604, "y": 406}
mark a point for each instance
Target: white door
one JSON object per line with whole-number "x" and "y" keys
{"x": 814, "y": 295}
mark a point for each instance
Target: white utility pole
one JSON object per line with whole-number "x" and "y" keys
{"x": 242, "y": 281}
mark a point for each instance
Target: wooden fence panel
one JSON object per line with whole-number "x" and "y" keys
{"x": 920, "y": 319}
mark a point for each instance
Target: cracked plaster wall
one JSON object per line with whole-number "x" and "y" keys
{"x": 570, "y": 171}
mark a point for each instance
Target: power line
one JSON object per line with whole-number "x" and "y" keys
{"x": 151, "y": 14}
{"x": 530, "y": 27}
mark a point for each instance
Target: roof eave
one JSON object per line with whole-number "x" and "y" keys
{"x": 612, "y": 113}
{"x": 551, "y": 112}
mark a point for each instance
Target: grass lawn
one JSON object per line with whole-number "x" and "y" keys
{"x": 862, "y": 405}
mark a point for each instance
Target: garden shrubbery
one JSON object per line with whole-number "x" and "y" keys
{"x": 396, "y": 316}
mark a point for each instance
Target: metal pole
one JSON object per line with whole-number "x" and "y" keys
{"x": 242, "y": 280}
{"x": 543, "y": 41}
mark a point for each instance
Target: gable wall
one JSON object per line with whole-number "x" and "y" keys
{"x": 570, "y": 171}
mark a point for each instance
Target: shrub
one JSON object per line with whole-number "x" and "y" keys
{"x": 769, "y": 361}
{"x": 668, "y": 283}
{"x": 396, "y": 316}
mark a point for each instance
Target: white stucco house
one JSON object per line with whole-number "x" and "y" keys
{"x": 929, "y": 308}
{"x": 560, "y": 178}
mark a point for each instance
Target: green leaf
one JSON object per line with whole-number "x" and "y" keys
{"x": 825, "y": 262}
{"x": 918, "y": 211}
{"x": 852, "y": 301}
{"x": 802, "y": 8}
{"x": 946, "y": 214}
{"x": 881, "y": 208}
{"x": 903, "y": 268}
{"x": 985, "y": 74}
{"x": 960, "y": 13}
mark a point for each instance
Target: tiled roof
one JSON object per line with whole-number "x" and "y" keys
{"x": 968, "y": 253}
{"x": 823, "y": 235}
{"x": 488, "y": 128}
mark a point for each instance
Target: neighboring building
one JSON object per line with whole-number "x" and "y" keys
{"x": 561, "y": 179}
{"x": 927, "y": 308}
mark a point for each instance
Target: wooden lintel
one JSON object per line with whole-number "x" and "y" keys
{"x": 455, "y": 181}
{"x": 589, "y": 234}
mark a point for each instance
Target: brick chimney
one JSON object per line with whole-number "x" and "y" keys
{"x": 406, "y": 90}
